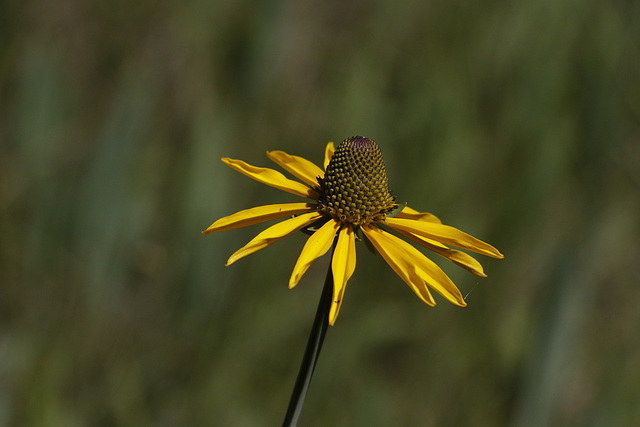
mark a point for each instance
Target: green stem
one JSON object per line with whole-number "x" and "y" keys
{"x": 314, "y": 345}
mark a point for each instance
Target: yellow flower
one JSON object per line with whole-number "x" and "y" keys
{"x": 351, "y": 197}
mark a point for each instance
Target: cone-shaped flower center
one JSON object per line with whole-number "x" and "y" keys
{"x": 355, "y": 187}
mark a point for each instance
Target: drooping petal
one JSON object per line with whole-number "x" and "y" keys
{"x": 257, "y": 215}
{"x": 343, "y": 265}
{"x": 460, "y": 258}
{"x": 444, "y": 234}
{"x": 273, "y": 234}
{"x": 399, "y": 262}
{"x": 328, "y": 153}
{"x": 410, "y": 213}
{"x": 272, "y": 178}
{"x": 299, "y": 167}
{"x": 412, "y": 261}
{"x": 317, "y": 245}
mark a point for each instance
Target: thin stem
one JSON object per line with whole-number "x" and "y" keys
{"x": 314, "y": 345}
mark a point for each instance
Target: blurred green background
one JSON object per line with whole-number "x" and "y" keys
{"x": 518, "y": 122}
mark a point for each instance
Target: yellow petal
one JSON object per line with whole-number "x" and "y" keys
{"x": 272, "y": 178}
{"x": 343, "y": 265}
{"x": 257, "y": 215}
{"x": 413, "y": 263}
{"x": 328, "y": 153}
{"x": 317, "y": 245}
{"x": 460, "y": 258}
{"x": 409, "y": 213}
{"x": 299, "y": 167}
{"x": 444, "y": 234}
{"x": 273, "y": 234}
{"x": 399, "y": 262}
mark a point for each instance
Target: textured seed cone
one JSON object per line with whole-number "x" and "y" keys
{"x": 355, "y": 188}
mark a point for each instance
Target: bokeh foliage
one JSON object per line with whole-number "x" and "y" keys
{"x": 515, "y": 121}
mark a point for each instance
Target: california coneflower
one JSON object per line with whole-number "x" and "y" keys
{"x": 350, "y": 198}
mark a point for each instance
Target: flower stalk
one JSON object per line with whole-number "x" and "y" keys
{"x": 312, "y": 352}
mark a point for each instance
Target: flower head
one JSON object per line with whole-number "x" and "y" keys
{"x": 351, "y": 196}
{"x": 355, "y": 187}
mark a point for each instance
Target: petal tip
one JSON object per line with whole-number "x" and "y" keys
{"x": 294, "y": 280}
{"x": 232, "y": 259}
{"x": 494, "y": 252}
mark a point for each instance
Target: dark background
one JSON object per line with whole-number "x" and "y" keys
{"x": 517, "y": 122}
